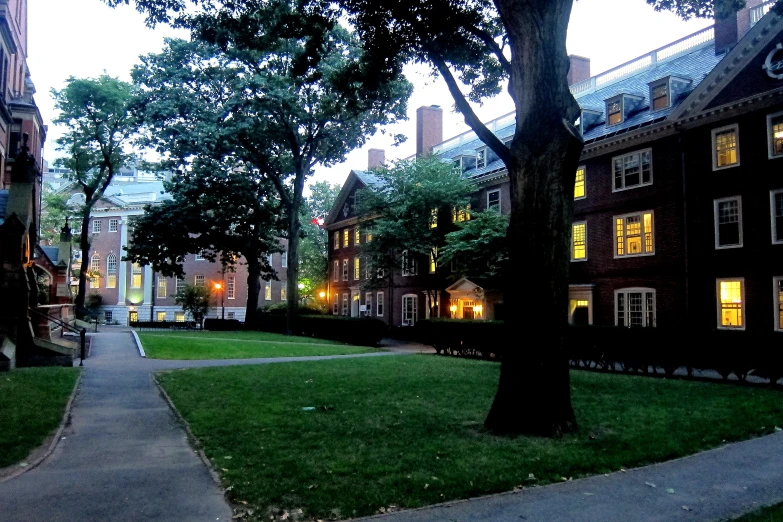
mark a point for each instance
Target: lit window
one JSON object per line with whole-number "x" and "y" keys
{"x": 728, "y": 222}
{"x": 136, "y": 275}
{"x": 111, "y": 271}
{"x": 725, "y": 147}
{"x": 433, "y": 260}
{"x": 408, "y": 264}
{"x": 345, "y": 237}
{"x": 434, "y": 218}
{"x": 660, "y": 96}
{"x": 579, "y": 184}
{"x": 460, "y": 215}
{"x": 368, "y": 235}
{"x": 493, "y": 200}
{"x": 179, "y": 317}
{"x": 632, "y": 170}
{"x": 284, "y": 259}
{"x": 776, "y": 209}
{"x": 180, "y": 285}
{"x": 336, "y": 304}
{"x": 481, "y": 158}
{"x": 231, "y": 287}
{"x": 634, "y": 235}
{"x": 409, "y": 305}
{"x": 345, "y": 304}
{"x": 336, "y": 275}
{"x": 357, "y": 236}
{"x": 345, "y": 270}
{"x": 282, "y": 293}
{"x": 337, "y": 240}
{"x": 614, "y": 111}
{"x": 635, "y": 307}
{"x": 579, "y": 307}
{"x": 778, "y": 290}
{"x": 95, "y": 267}
{"x": 775, "y": 126}
{"x": 268, "y": 291}
{"x": 357, "y": 273}
{"x": 96, "y": 226}
{"x": 579, "y": 242}
{"x": 161, "y": 316}
{"x": 162, "y": 290}
{"x": 731, "y": 306}
{"x": 114, "y": 225}
{"x": 379, "y": 304}
{"x": 199, "y": 281}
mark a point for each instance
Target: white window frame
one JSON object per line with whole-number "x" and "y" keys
{"x": 481, "y": 154}
{"x": 357, "y": 236}
{"x": 584, "y": 182}
{"x": 284, "y": 259}
{"x": 368, "y": 304}
{"x": 111, "y": 271}
{"x": 283, "y": 296}
{"x": 777, "y": 310}
{"x": 500, "y": 201}
{"x": 95, "y": 266}
{"x": 231, "y": 287}
{"x": 336, "y": 304}
{"x": 158, "y": 316}
{"x": 199, "y": 256}
{"x": 96, "y": 226}
{"x": 573, "y": 242}
{"x": 345, "y": 310}
{"x": 773, "y": 225}
{"x": 337, "y": 240}
{"x": 412, "y": 320}
{"x": 379, "y": 304}
{"x": 346, "y": 238}
{"x": 625, "y": 233}
{"x": 179, "y": 285}
{"x": 136, "y": 270}
{"x": 641, "y": 183}
{"x": 581, "y": 293}
{"x": 715, "y": 205}
{"x": 163, "y": 286}
{"x": 409, "y": 267}
{"x": 770, "y": 138}
{"x": 199, "y": 281}
{"x": 654, "y": 86}
{"x": 636, "y": 290}
{"x": 336, "y": 276}
{"x": 114, "y": 225}
{"x": 715, "y": 132}
{"x": 345, "y": 270}
{"x": 268, "y": 291}
{"x": 357, "y": 269}
{"x": 742, "y": 304}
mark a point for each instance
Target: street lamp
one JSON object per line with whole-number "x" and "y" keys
{"x": 219, "y": 288}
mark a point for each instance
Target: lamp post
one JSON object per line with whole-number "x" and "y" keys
{"x": 219, "y": 288}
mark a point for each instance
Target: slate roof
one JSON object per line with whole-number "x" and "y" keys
{"x": 693, "y": 65}
{"x": 368, "y": 178}
{"x": 52, "y": 252}
{"x": 3, "y": 204}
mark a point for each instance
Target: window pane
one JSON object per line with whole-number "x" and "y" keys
{"x": 648, "y": 233}
{"x": 620, "y": 309}
{"x": 726, "y": 147}
{"x": 777, "y": 135}
{"x": 635, "y": 310}
{"x": 731, "y": 303}
{"x": 633, "y": 231}
{"x": 728, "y": 222}
{"x": 579, "y": 241}
{"x": 620, "y": 232}
{"x": 579, "y": 184}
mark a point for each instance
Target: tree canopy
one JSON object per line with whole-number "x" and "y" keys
{"x": 314, "y": 248}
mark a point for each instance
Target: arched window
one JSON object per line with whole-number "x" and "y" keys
{"x": 111, "y": 271}
{"x": 95, "y": 267}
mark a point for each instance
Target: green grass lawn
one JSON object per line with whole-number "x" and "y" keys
{"x": 238, "y": 345}
{"x": 407, "y": 431}
{"x": 770, "y": 514}
{"x": 32, "y": 401}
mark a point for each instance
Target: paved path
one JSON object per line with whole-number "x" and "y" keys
{"x": 125, "y": 457}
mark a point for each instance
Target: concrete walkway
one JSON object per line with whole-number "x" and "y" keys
{"x": 124, "y": 457}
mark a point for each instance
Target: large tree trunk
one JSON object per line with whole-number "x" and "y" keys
{"x": 84, "y": 244}
{"x": 253, "y": 289}
{"x": 534, "y": 395}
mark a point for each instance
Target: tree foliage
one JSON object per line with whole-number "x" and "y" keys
{"x": 478, "y": 248}
{"x": 54, "y": 211}
{"x": 195, "y": 301}
{"x": 314, "y": 248}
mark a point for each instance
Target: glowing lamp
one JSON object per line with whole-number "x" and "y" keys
{"x": 453, "y": 308}
{"x": 322, "y": 295}
{"x": 218, "y": 286}
{"x": 301, "y": 286}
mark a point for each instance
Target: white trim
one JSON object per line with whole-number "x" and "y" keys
{"x": 715, "y": 132}
{"x": 635, "y": 290}
{"x": 652, "y": 85}
{"x": 96, "y": 226}
{"x": 773, "y": 227}
{"x": 580, "y": 293}
{"x": 778, "y": 327}
{"x": 573, "y": 245}
{"x": 641, "y": 180}
{"x": 641, "y": 214}
{"x": 770, "y": 154}
{"x": 742, "y": 303}
{"x": 415, "y": 317}
{"x": 116, "y": 222}
{"x": 715, "y": 204}
{"x": 500, "y": 200}
{"x": 479, "y": 151}
{"x": 379, "y": 304}
{"x": 336, "y": 275}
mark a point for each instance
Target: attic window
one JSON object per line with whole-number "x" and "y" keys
{"x": 660, "y": 96}
{"x": 614, "y": 111}
{"x": 481, "y": 158}
{"x": 456, "y": 168}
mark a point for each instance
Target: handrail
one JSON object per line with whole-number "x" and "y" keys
{"x": 757, "y": 12}
{"x": 82, "y": 333}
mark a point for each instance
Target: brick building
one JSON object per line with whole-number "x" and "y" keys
{"x": 678, "y": 212}
{"x": 135, "y": 293}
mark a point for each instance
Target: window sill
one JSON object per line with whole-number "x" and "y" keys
{"x": 731, "y": 328}
{"x": 714, "y": 169}
{"x": 579, "y": 260}
{"x": 727, "y": 247}
{"x": 631, "y": 188}
{"x": 633, "y": 255}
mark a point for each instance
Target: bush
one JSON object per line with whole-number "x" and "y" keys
{"x": 362, "y": 331}
{"x": 460, "y": 337}
{"x": 282, "y": 307}
{"x": 161, "y": 324}
{"x": 222, "y": 325}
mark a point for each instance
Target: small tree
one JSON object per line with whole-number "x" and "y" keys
{"x": 478, "y": 246}
{"x": 314, "y": 247}
{"x": 194, "y": 301}
{"x": 411, "y": 208}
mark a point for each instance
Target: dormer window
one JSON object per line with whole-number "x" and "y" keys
{"x": 456, "y": 167}
{"x": 614, "y": 111}
{"x": 481, "y": 158}
{"x": 660, "y": 97}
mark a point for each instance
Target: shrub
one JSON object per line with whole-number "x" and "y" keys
{"x": 460, "y": 337}
{"x": 282, "y": 307}
{"x": 222, "y": 325}
{"x": 161, "y": 324}
{"x": 362, "y": 331}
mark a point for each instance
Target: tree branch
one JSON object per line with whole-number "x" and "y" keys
{"x": 481, "y": 130}
{"x": 493, "y": 46}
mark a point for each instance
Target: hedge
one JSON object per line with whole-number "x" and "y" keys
{"x": 362, "y": 331}
{"x": 460, "y": 337}
{"x": 161, "y": 324}
{"x": 222, "y": 325}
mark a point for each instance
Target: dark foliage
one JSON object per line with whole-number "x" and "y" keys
{"x": 352, "y": 330}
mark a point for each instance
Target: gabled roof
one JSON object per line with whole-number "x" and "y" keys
{"x": 52, "y": 252}
{"x": 355, "y": 177}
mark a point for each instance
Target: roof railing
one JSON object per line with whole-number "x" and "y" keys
{"x": 667, "y": 52}
{"x": 757, "y": 12}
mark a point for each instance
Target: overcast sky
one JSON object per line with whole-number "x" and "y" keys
{"x": 84, "y": 38}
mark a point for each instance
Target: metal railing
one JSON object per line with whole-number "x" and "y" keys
{"x": 667, "y": 52}
{"x": 65, "y": 326}
{"x": 757, "y": 12}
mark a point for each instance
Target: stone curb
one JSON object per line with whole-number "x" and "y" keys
{"x": 58, "y": 434}
{"x": 142, "y": 353}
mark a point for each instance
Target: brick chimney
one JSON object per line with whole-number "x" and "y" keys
{"x": 579, "y": 69}
{"x": 429, "y": 128}
{"x": 376, "y": 158}
{"x": 731, "y": 26}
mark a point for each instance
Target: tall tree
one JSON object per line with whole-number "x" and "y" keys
{"x": 280, "y": 89}
{"x": 54, "y": 211}
{"x": 411, "y": 208}
{"x": 484, "y": 43}
{"x": 96, "y": 113}
{"x": 228, "y": 211}
{"x": 314, "y": 248}
{"x": 478, "y": 247}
